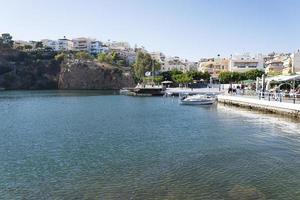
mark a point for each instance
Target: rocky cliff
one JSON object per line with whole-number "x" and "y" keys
{"x": 40, "y": 70}
{"x": 24, "y": 70}
{"x": 93, "y": 75}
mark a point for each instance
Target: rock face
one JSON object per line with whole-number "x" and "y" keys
{"x": 92, "y": 75}
{"x": 21, "y": 70}
{"x": 40, "y": 70}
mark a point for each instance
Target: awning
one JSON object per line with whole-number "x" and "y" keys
{"x": 166, "y": 82}
{"x": 283, "y": 78}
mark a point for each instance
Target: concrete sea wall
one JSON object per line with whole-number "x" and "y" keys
{"x": 281, "y": 108}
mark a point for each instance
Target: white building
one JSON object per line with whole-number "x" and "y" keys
{"x": 81, "y": 44}
{"x": 158, "y": 56}
{"x": 291, "y": 64}
{"x": 63, "y": 44}
{"x": 246, "y": 62}
{"x": 214, "y": 66}
{"x": 175, "y": 63}
{"x": 95, "y": 47}
{"x": 275, "y": 65}
{"x": 129, "y": 55}
{"x": 118, "y": 45}
{"x": 87, "y": 44}
{"x": 53, "y": 44}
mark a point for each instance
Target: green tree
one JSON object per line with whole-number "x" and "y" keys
{"x": 183, "y": 78}
{"x": 144, "y": 63}
{"x": 158, "y": 79}
{"x": 39, "y": 45}
{"x": 101, "y": 57}
{"x": 83, "y": 56}
{"x": 28, "y": 47}
{"x": 229, "y": 77}
{"x": 199, "y": 75}
{"x": 6, "y": 41}
{"x": 253, "y": 74}
{"x": 60, "y": 57}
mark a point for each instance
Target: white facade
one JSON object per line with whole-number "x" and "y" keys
{"x": 118, "y": 45}
{"x": 87, "y": 44}
{"x": 275, "y": 65}
{"x": 64, "y": 44}
{"x": 175, "y": 63}
{"x": 291, "y": 64}
{"x": 214, "y": 66}
{"x": 158, "y": 56}
{"x": 81, "y": 44}
{"x": 58, "y": 45}
{"x": 246, "y": 62}
{"x": 128, "y": 54}
{"x": 95, "y": 47}
{"x": 53, "y": 44}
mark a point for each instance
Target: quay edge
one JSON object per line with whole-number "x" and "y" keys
{"x": 280, "y": 108}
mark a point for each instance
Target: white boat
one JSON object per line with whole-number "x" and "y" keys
{"x": 198, "y": 100}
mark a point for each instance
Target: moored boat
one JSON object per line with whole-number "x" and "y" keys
{"x": 198, "y": 100}
{"x": 144, "y": 90}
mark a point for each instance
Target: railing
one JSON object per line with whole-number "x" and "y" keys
{"x": 279, "y": 96}
{"x": 268, "y": 96}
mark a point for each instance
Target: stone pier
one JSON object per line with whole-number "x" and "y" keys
{"x": 282, "y": 108}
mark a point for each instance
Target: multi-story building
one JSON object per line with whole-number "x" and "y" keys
{"x": 64, "y": 44}
{"x": 95, "y": 47}
{"x": 214, "y": 66}
{"x": 275, "y": 65}
{"x": 174, "y": 63}
{"x": 81, "y": 44}
{"x": 118, "y": 45}
{"x": 53, "y": 44}
{"x": 129, "y": 55}
{"x": 246, "y": 62}
{"x": 87, "y": 44}
{"x": 191, "y": 66}
{"x": 291, "y": 64}
{"x": 158, "y": 56}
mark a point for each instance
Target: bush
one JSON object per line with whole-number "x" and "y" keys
{"x": 83, "y": 56}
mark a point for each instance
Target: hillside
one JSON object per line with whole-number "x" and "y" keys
{"x": 40, "y": 70}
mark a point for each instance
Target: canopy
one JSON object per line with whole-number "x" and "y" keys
{"x": 248, "y": 81}
{"x": 166, "y": 82}
{"x": 283, "y": 78}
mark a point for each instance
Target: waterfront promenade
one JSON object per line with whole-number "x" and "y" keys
{"x": 284, "y": 108}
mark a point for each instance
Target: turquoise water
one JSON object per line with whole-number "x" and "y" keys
{"x": 97, "y": 145}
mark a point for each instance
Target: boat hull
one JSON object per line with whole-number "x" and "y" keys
{"x": 143, "y": 91}
{"x": 197, "y": 102}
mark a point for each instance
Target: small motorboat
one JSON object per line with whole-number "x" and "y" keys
{"x": 198, "y": 100}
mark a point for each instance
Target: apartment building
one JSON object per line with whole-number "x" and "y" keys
{"x": 95, "y": 47}
{"x": 246, "y": 62}
{"x": 174, "y": 63}
{"x": 275, "y": 65}
{"x": 213, "y": 66}
{"x": 291, "y": 64}
{"x": 158, "y": 56}
{"x": 63, "y": 44}
{"x": 87, "y": 44}
{"x": 118, "y": 45}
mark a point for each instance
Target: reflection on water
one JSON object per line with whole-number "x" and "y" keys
{"x": 239, "y": 192}
{"x": 90, "y": 145}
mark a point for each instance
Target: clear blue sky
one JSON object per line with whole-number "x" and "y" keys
{"x": 186, "y": 28}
